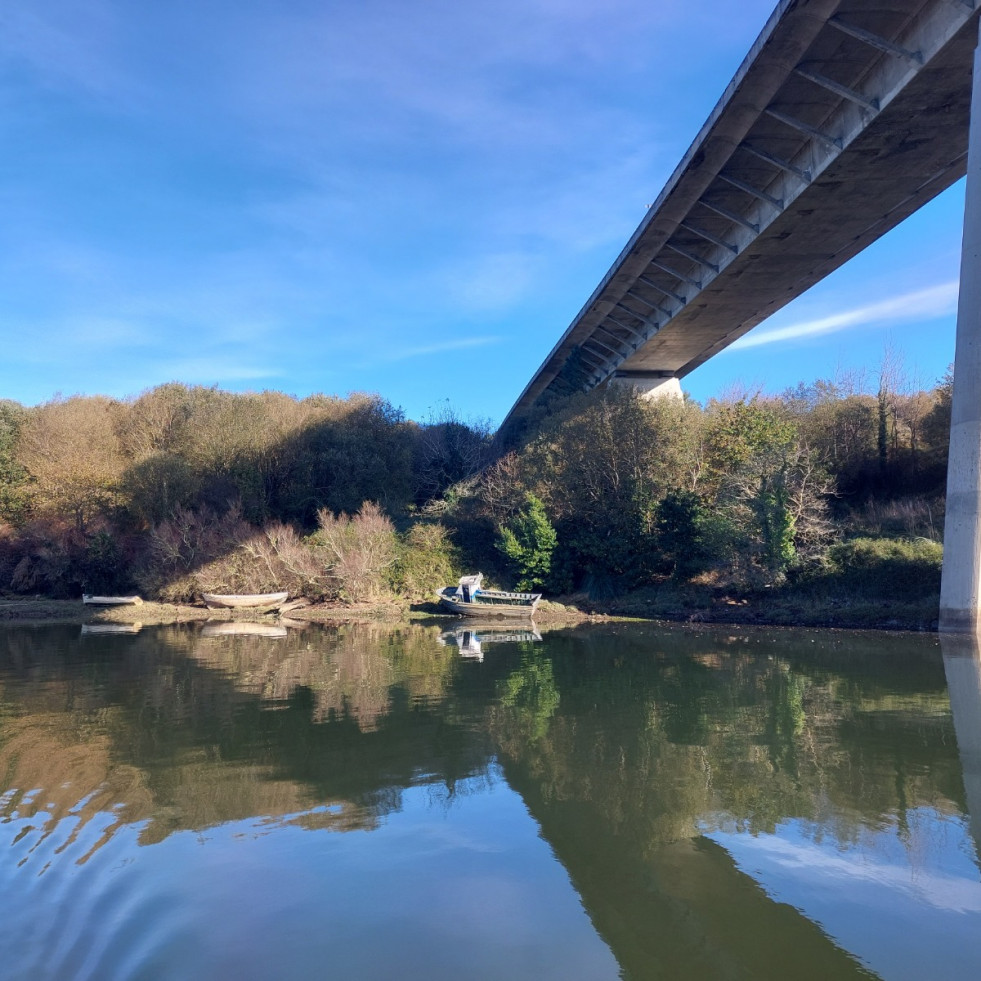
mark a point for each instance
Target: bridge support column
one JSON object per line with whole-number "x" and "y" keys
{"x": 649, "y": 384}
{"x": 960, "y": 592}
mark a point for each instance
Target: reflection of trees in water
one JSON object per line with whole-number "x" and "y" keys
{"x": 649, "y": 736}
{"x": 662, "y": 742}
{"x": 180, "y": 731}
{"x": 528, "y": 695}
{"x": 56, "y": 777}
{"x": 659, "y": 737}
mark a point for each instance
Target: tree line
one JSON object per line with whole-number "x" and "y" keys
{"x": 187, "y": 488}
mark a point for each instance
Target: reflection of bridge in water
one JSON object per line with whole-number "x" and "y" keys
{"x": 627, "y": 747}
{"x": 844, "y": 119}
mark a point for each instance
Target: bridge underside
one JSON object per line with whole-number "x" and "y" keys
{"x": 845, "y": 118}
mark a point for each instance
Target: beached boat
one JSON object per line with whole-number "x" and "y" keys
{"x": 92, "y": 600}
{"x": 232, "y": 601}
{"x": 469, "y": 599}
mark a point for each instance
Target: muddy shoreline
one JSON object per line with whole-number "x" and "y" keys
{"x": 886, "y": 617}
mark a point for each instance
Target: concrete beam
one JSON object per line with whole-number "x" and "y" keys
{"x": 650, "y": 385}
{"x": 759, "y": 210}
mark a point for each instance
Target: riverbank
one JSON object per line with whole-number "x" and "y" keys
{"x": 689, "y": 604}
{"x": 779, "y": 607}
{"x": 40, "y": 610}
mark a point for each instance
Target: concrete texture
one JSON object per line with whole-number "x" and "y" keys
{"x": 960, "y": 592}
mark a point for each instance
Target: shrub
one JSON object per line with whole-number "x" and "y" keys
{"x": 427, "y": 560}
{"x": 359, "y": 551}
{"x": 528, "y": 542}
{"x": 201, "y": 551}
{"x": 903, "y": 569}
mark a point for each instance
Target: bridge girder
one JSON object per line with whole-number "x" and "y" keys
{"x": 843, "y": 120}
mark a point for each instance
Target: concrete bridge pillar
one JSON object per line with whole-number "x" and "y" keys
{"x": 650, "y": 384}
{"x": 960, "y": 592}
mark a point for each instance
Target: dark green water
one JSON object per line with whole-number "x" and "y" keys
{"x": 366, "y": 802}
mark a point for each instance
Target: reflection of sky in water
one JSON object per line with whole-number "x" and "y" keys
{"x": 460, "y": 887}
{"x": 906, "y": 902}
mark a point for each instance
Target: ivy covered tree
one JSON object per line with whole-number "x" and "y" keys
{"x": 528, "y": 543}
{"x": 767, "y": 485}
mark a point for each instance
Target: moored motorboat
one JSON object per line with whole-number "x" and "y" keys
{"x": 232, "y": 601}
{"x": 93, "y": 600}
{"x": 468, "y": 598}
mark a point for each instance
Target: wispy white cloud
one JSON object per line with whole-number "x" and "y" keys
{"x": 439, "y": 347}
{"x": 925, "y": 304}
{"x": 210, "y": 371}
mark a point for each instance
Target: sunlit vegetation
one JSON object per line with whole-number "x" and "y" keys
{"x": 830, "y": 488}
{"x": 185, "y": 489}
{"x": 827, "y": 493}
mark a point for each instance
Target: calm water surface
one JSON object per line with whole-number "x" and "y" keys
{"x": 370, "y": 802}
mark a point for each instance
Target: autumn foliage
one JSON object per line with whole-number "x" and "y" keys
{"x": 186, "y": 489}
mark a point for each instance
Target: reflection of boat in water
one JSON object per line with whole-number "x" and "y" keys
{"x": 244, "y": 600}
{"x": 235, "y": 628}
{"x": 472, "y": 639}
{"x": 470, "y": 599}
{"x": 91, "y": 600}
{"x": 111, "y": 628}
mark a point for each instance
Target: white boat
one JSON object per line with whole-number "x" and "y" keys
{"x": 468, "y": 598}
{"x": 244, "y": 600}
{"x": 92, "y": 600}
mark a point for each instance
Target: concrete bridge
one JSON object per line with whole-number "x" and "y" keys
{"x": 845, "y": 117}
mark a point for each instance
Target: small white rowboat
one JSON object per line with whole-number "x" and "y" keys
{"x": 91, "y": 600}
{"x": 244, "y": 600}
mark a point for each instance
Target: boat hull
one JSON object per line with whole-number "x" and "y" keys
{"x": 91, "y": 600}
{"x": 514, "y": 611}
{"x": 236, "y": 601}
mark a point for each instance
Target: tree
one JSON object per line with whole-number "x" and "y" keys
{"x": 529, "y": 542}
{"x": 448, "y": 450}
{"x": 601, "y": 463}
{"x": 71, "y": 449}
{"x": 13, "y": 477}
{"x": 679, "y": 532}
{"x": 767, "y": 483}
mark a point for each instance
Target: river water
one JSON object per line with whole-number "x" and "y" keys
{"x": 371, "y": 802}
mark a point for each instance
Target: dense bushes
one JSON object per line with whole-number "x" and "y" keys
{"x": 185, "y": 489}
{"x": 637, "y": 490}
{"x": 904, "y": 569}
{"x": 189, "y": 489}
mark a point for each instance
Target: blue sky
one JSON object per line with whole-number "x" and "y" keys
{"x": 411, "y": 198}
